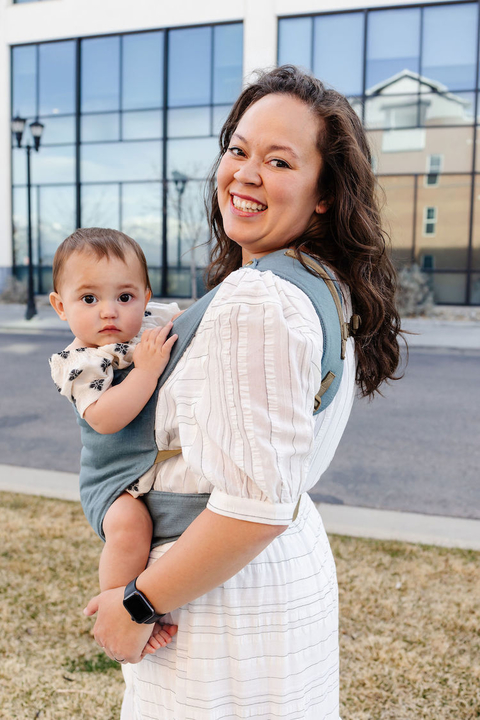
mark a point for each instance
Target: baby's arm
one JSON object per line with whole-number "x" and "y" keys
{"x": 121, "y": 403}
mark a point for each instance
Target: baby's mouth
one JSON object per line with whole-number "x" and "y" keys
{"x": 247, "y": 205}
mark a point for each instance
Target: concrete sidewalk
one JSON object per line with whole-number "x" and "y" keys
{"x": 338, "y": 519}
{"x": 428, "y": 332}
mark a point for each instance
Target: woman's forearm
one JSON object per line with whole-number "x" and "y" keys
{"x": 210, "y": 551}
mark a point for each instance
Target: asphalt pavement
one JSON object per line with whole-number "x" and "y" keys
{"x": 432, "y": 497}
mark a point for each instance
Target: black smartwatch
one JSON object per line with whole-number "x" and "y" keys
{"x": 139, "y": 608}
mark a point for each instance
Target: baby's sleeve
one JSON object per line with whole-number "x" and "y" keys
{"x": 255, "y": 414}
{"x": 158, "y": 314}
{"x": 82, "y": 375}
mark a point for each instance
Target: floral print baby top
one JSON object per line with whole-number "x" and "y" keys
{"x": 83, "y": 374}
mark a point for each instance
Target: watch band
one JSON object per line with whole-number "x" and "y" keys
{"x": 138, "y": 606}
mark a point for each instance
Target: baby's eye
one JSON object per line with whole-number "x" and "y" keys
{"x": 125, "y": 297}
{"x": 89, "y": 299}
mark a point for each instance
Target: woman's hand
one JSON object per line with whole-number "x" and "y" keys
{"x": 122, "y": 639}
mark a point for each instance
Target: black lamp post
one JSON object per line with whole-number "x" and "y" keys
{"x": 36, "y": 128}
{"x": 180, "y": 181}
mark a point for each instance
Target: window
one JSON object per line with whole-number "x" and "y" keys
{"x": 428, "y": 263}
{"x": 109, "y": 158}
{"x": 434, "y": 168}
{"x": 429, "y": 221}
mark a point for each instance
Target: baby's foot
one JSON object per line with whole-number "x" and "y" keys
{"x": 160, "y": 637}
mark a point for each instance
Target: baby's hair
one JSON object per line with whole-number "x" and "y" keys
{"x": 102, "y": 242}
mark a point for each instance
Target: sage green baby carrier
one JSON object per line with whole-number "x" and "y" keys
{"x": 111, "y": 463}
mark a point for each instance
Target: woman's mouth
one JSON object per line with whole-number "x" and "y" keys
{"x": 248, "y": 206}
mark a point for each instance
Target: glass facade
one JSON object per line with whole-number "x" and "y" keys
{"x": 412, "y": 75}
{"x": 130, "y": 132}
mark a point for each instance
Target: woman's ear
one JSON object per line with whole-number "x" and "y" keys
{"x": 322, "y": 206}
{"x": 57, "y": 304}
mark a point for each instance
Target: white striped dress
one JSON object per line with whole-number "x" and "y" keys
{"x": 240, "y": 404}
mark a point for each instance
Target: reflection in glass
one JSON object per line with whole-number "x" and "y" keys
{"x": 138, "y": 125}
{"x": 19, "y": 200}
{"x": 449, "y": 45}
{"x": 398, "y": 206}
{"x": 54, "y": 164}
{"x": 24, "y": 75}
{"x": 220, "y": 114}
{"x": 57, "y": 77}
{"x": 475, "y": 289}
{"x": 142, "y": 82}
{"x": 295, "y": 42}
{"x": 104, "y": 126}
{"x": 57, "y": 219}
{"x": 391, "y": 111}
{"x": 447, "y": 108}
{"x": 476, "y": 226}
{"x": 185, "y": 122}
{"x": 189, "y": 68}
{"x": 449, "y": 288}
{"x": 443, "y": 221}
{"x": 187, "y": 226}
{"x": 101, "y": 205}
{"x": 100, "y": 73}
{"x": 228, "y": 62}
{"x": 393, "y": 43}
{"x": 338, "y": 51}
{"x": 193, "y": 158}
{"x": 58, "y": 130}
{"x": 141, "y": 218}
{"x": 121, "y": 161}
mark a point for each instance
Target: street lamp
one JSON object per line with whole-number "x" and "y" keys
{"x": 36, "y": 128}
{"x": 180, "y": 181}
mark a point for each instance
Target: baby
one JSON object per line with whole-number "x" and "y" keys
{"x": 101, "y": 288}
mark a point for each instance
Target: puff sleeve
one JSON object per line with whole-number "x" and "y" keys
{"x": 255, "y": 412}
{"x": 83, "y": 374}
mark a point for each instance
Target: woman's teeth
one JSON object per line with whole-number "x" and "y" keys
{"x": 247, "y": 205}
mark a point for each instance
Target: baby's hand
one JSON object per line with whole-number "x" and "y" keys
{"x": 153, "y": 351}
{"x": 161, "y": 636}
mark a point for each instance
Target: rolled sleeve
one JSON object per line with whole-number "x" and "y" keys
{"x": 255, "y": 415}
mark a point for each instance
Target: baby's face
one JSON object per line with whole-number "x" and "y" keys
{"x": 103, "y": 300}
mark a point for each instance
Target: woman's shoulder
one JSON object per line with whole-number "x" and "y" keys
{"x": 263, "y": 288}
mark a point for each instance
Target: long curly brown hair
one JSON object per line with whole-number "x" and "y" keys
{"x": 348, "y": 237}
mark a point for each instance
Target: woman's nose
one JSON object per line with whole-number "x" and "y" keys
{"x": 248, "y": 173}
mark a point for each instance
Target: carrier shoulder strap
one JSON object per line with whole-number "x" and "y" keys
{"x": 325, "y": 297}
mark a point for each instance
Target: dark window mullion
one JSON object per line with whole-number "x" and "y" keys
{"x": 164, "y": 249}
{"x": 78, "y": 138}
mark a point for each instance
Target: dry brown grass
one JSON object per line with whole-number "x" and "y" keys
{"x": 409, "y": 624}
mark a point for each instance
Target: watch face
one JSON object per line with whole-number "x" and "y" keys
{"x": 138, "y": 607}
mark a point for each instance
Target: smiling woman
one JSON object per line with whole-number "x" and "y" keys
{"x": 251, "y": 581}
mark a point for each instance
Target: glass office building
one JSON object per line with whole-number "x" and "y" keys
{"x": 130, "y": 132}
{"x": 131, "y": 124}
{"x": 412, "y": 75}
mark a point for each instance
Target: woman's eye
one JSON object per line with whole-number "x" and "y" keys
{"x": 89, "y": 299}
{"x": 279, "y": 163}
{"x": 125, "y": 297}
{"x": 238, "y": 152}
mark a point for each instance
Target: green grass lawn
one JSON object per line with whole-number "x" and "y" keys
{"x": 409, "y": 623}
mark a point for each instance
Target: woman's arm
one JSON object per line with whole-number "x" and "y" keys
{"x": 210, "y": 551}
{"x": 120, "y": 404}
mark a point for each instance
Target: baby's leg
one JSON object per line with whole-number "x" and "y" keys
{"x": 128, "y": 534}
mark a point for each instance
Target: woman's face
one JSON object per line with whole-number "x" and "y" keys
{"x": 268, "y": 178}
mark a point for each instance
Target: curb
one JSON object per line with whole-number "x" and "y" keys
{"x": 338, "y": 519}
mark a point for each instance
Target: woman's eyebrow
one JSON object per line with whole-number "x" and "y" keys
{"x": 275, "y": 148}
